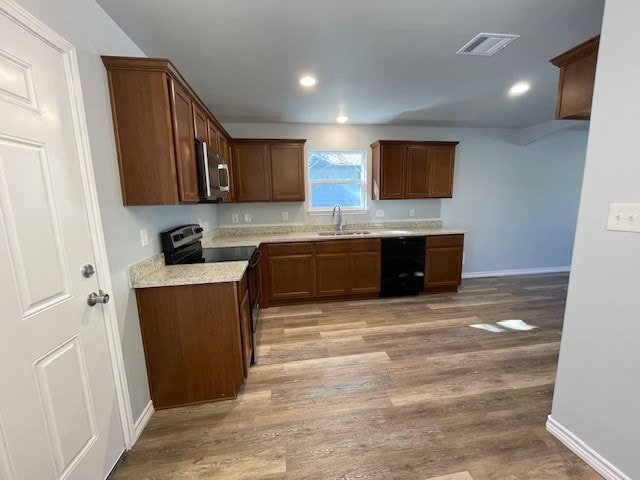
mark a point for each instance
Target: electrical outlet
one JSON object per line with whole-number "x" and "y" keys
{"x": 412, "y": 212}
{"x": 379, "y": 213}
{"x": 247, "y": 217}
{"x": 235, "y": 218}
{"x": 624, "y": 217}
{"x": 144, "y": 238}
{"x": 285, "y": 215}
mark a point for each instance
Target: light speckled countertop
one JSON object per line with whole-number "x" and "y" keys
{"x": 152, "y": 272}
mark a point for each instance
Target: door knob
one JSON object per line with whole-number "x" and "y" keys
{"x": 99, "y": 297}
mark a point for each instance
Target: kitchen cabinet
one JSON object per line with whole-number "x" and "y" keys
{"x": 156, "y": 118}
{"x": 332, "y": 268}
{"x": 291, "y": 270}
{"x": 409, "y": 170}
{"x": 245, "y": 325}
{"x": 194, "y": 341}
{"x": 269, "y": 170}
{"x": 577, "y": 76}
{"x": 443, "y": 262}
{"x": 347, "y": 267}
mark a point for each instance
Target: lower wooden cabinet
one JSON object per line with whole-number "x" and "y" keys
{"x": 291, "y": 270}
{"x": 333, "y": 268}
{"x": 245, "y": 329}
{"x": 332, "y": 274}
{"x": 348, "y": 267}
{"x": 195, "y": 341}
{"x": 443, "y": 262}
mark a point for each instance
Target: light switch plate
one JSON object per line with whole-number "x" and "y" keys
{"x": 235, "y": 218}
{"x": 380, "y": 213}
{"x": 624, "y": 217}
{"x": 144, "y": 238}
{"x": 285, "y": 215}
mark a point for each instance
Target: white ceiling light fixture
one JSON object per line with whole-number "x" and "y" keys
{"x": 519, "y": 88}
{"x": 308, "y": 81}
{"x": 487, "y": 44}
{"x": 342, "y": 118}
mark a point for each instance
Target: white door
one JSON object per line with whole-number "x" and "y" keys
{"x": 59, "y": 415}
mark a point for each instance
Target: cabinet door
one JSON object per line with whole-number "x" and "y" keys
{"x": 184, "y": 143}
{"x": 443, "y": 267}
{"x": 417, "y": 171}
{"x": 200, "y": 124}
{"x": 245, "y": 329}
{"x": 252, "y": 173}
{"x": 228, "y": 155}
{"x": 291, "y": 276}
{"x": 213, "y": 137}
{"x": 441, "y": 160}
{"x": 331, "y": 273}
{"x": 287, "y": 172}
{"x": 392, "y": 171}
{"x": 364, "y": 272}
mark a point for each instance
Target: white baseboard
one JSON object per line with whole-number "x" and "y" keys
{"x": 584, "y": 451}
{"x": 508, "y": 273}
{"x": 142, "y": 421}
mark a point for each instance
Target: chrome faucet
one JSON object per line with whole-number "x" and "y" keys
{"x": 341, "y": 223}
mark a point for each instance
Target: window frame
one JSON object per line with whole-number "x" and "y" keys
{"x": 363, "y": 209}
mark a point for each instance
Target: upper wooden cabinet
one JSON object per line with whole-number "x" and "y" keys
{"x": 156, "y": 119}
{"x": 268, "y": 170}
{"x": 403, "y": 170}
{"x": 577, "y": 76}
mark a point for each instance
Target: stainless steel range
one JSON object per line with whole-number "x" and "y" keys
{"x": 182, "y": 246}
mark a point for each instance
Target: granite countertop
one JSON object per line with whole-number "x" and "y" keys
{"x": 152, "y": 272}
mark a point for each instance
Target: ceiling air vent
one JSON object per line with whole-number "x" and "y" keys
{"x": 487, "y": 44}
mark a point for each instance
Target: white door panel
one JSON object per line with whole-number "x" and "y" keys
{"x": 58, "y": 407}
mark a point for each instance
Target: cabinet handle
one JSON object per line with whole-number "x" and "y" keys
{"x": 224, "y": 188}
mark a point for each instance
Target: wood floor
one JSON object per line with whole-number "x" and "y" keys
{"x": 396, "y": 388}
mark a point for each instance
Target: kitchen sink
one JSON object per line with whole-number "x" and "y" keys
{"x": 343, "y": 233}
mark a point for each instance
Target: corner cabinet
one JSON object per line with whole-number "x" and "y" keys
{"x": 268, "y": 170}
{"x": 156, "y": 118}
{"x": 410, "y": 170}
{"x": 577, "y": 76}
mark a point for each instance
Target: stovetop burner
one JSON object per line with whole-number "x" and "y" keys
{"x": 181, "y": 245}
{"x": 221, "y": 254}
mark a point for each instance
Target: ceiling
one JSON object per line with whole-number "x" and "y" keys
{"x": 384, "y": 62}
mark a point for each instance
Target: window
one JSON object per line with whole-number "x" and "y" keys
{"x": 337, "y": 178}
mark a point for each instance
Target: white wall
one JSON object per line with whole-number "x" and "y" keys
{"x": 519, "y": 203}
{"x": 598, "y": 383}
{"x": 91, "y": 30}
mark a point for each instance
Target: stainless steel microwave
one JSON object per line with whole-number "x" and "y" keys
{"x": 213, "y": 173}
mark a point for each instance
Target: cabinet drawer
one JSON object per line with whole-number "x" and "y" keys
{"x": 364, "y": 245}
{"x": 445, "y": 241}
{"x": 289, "y": 248}
{"x": 332, "y": 246}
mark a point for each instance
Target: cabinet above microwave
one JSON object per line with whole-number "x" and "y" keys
{"x": 154, "y": 118}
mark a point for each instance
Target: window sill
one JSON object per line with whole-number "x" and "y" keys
{"x": 321, "y": 213}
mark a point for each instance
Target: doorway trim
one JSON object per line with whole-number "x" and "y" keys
{"x": 19, "y": 15}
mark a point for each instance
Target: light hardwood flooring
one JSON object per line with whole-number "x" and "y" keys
{"x": 397, "y": 388}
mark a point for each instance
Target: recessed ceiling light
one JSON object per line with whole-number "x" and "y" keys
{"x": 308, "y": 81}
{"x": 519, "y": 88}
{"x": 341, "y": 118}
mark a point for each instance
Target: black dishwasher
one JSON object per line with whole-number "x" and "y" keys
{"x": 402, "y": 266}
